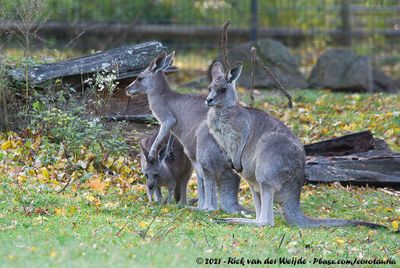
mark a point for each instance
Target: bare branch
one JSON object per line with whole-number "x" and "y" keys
{"x": 252, "y": 73}
{"x": 224, "y": 43}
{"x": 276, "y": 81}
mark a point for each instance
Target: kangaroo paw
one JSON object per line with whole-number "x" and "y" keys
{"x": 171, "y": 155}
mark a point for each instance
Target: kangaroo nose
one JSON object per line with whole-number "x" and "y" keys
{"x": 209, "y": 100}
{"x": 151, "y": 186}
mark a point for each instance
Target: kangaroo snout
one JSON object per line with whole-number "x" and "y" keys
{"x": 150, "y": 185}
{"x": 210, "y": 102}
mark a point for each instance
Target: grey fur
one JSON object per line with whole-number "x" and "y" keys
{"x": 270, "y": 157}
{"x": 171, "y": 169}
{"x": 185, "y": 116}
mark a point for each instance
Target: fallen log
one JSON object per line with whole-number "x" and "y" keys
{"x": 348, "y": 144}
{"x": 127, "y": 62}
{"x": 357, "y": 159}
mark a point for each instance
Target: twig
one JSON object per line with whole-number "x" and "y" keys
{"x": 23, "y": 190}
{"x": 74, "y": 39}
{"x": 168, "y": 225}
{"x": 65, "y": 186}
{"x": 334, "y": 230}
{"x": 120, "y": 230}
{"x": 280, "y": 244}
{"x": 252, "y": 73}
{"x": 167, "y": 232}
{"x": 151, "y": 223}
{"x": 290, "y": 239}
{"x": 206, "y": 239}
{"x": 224, "y": 43}
{"x": 276, "y": 81}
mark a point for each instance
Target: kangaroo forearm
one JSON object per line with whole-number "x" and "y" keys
{"x": 164, "y": 130}
{"x": 170, "y": 143}
{"x": 243, "y": 137}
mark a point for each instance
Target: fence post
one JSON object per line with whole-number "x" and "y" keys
{"x": 345, "y": 14}
{"x": 254, "y": 20}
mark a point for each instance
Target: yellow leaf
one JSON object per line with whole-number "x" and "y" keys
{"x": 339, "y": 241}
{"x": 53, "y": 254}
{"x": 59, "y": 211}
{"x": 143, "y": 224}
{"x": 38, "y": 141}
{"x": 395, "y": 225}
{"x": 72, "y": 210}
{"x": 91, "y": 168}
{"x": 45, "y": 173}
{"x": 6, "y": 145}
{"x": 125, "y": 170}
{"x": 31, "y": 172}
{"x": 59, "y": 165}
{"x": 109, "y": 162}
{"x": 97, "y": 185}
{"x": 89, "y": 197}
{"x": 164, "y": 210}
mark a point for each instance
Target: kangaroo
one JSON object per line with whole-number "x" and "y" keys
{"x": 185, "y": 116}
{"x": 268, "y": 155}
{"x": 171, "y": 169}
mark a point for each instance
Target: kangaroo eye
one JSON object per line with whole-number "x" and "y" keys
{"x": 209, "y": 89}
{"x": 223, "y": 90}
{"x": 139, "y": 79}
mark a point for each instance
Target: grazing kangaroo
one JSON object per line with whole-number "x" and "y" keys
{"x": 171, "y": 169}
{"x": 185, "y": 116}
{"x": 270, "y": 157}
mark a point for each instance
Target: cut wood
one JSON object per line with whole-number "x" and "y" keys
{"x": 378, "y": 171}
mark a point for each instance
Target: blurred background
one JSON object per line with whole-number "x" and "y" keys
{"x": 192, "y": 27}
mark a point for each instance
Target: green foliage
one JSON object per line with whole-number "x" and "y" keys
{"x": 70, "y": 132}
{"x": 303, "y": 14}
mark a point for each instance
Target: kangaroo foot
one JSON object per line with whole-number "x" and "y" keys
{"x": 238, "y": 209}
{"x": 206, "y": 209}
{"x": 241, "y": 221}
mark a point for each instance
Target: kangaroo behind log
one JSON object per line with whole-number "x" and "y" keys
{"x": 171, "y": 169}
{"x": 185, "y": 116}
{"x": 269, "y": 156}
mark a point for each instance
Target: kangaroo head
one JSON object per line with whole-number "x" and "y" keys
{"x": 153, "y": 168}
{"x": 147, "y": 79}
{"x": 222, "y": 90}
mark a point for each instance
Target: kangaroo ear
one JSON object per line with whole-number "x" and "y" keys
{"x": 234, "y": 72}
{"x": 217, "y": 70}
{"x": 144, "y": 150}
{"x": 169, "y": 60}
{"x": 158, "y": 63}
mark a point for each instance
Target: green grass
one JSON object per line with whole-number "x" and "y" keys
{"x": 88, "y": 235}
{"x": 101, "y": 221}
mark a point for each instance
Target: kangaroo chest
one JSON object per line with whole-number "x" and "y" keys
{"x": 220, "y": 124}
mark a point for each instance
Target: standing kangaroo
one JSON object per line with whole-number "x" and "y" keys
{"x": 185, "y": 116}
{"x": 171, "y": 169}
{"x": 269, "y": 155}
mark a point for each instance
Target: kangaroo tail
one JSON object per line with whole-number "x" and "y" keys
{"x": 294, "y": 216}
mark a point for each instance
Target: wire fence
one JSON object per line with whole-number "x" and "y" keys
{"x": 308, "y": 27}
